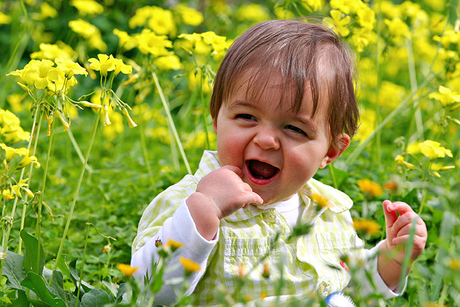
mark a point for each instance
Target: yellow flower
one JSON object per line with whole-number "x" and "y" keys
{"x": 413, "y": 148}
{"x": 338, "y": 23}
{"x": 161, "y": 21}
{"x": 70, "y": 68}
{"x": 398, "y": 29}
{"x": 53, "y": 51}
{"x": 449, "y": 37}
{"x": 370, "y": 187}
{"x": 366, "y": 17}
{"x": 312, "y": 5}
{"x": 140, "y": 17}
{"x": 4, "y": 19}
{"x": 345, "y": 6}
{"x": 400, "y": 160}
{"x": 173, "y": 244}
{"x": 126, "y": 269}
{"x": 149, "y": 42}
{"x": 22, "y": 152}
{"x": 126, "y": 41}
{"x": 10, "y": 128}
{"x": 367, "y": 124}
{"x": 168, "y": 62}
{"x": 89, "y": 32}
{"x": 252, "y": 12}
{"x": 218, "y": 43}
{"x": 131, "y": 123}
{"x": 15, "y": 102}
{"x": 454, "y": 264}
{"x": 104, "y": 64}
{"x": 445, "y": 95}
{"x": 63, "y": 121}
{"x": 190, "y": 266}
{"x": 433, "y": 150}
{"x": 367, "y": 226}
{"x": 188, "y": 15}
{"x": 87, "y": 7}
{"x": 46, "y": 11}
{"x": 320, "y": 200}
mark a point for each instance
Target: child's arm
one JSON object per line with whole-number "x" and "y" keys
{"x": 392, "y": 250}
{"x": 219, "y": 194}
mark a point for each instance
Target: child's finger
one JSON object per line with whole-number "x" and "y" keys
{"x": 234, "y": 169}
{"x": 256, "y": 200}
{"x": 404, "y": 221}
{"x": 390, "y": 215}
{"x": 400, "y": 207}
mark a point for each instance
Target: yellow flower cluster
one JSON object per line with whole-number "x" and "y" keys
{"x": 343, "y": 12}
{"x": 205, "y": 43}
{"x": 10, "y": 152}
{"x": 88, "y": 32}
{"x": 42, "y": 74}
{"x": 105, "y": 63}
{"x": 161, "y": 21}
{"x": 370, "y": 187}
{"x": 11, "y": 131}
{"x": 87, "y": 7}
{"x": 148, "y": 42}
{"x": 53, "y": 51}
{"x": 126, "y": 269}
{"x": 367, "y": 226}
{"x": 108, "y": 99}
{"x": 430, "y": 149}
{"x": 447, "y": 97}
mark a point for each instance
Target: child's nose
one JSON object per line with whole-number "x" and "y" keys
{"x": 267, "y": 140}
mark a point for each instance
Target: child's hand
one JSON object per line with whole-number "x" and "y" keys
{"x": 227, "y": 191}
{"x": 398, "y": 230}
{"x": 392, "y": 251}
{"x": 219, "y": 194}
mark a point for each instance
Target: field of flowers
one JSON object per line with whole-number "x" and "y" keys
{"x": 103, "y": 104}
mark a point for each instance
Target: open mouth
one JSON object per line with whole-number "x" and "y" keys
{"x": 261, "y": 170}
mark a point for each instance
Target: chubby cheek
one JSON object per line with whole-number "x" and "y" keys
{"x": 230, "y": 151}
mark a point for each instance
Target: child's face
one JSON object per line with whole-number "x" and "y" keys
{"x": 277, "y": 149}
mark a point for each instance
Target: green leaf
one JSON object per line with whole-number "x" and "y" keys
{"x": 14, "y": 270}
{"x": 75, "y": 277}
{"x": 21, "y": 300}
{"x": 34, "y": 255}
{"x": 445, "y": 236}
{"x": 58, "y": 285}
{"x": 96, "y": 298}
{"x": 37, "y": 284}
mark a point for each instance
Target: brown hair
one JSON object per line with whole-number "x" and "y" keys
{"x": 298, "y": 52}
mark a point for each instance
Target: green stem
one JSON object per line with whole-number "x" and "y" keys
{"x": 144, "y": 149}
{"x": 42, "y": 193}
{"x": 72, "y": 207}
{"x": 33, "y": 134}
{"x": 357, "y": 151}
{"x": 203, "y": 109}
{"x": 15, "y": 54}
{"x": 378, "y": 150}
{"x": 413, "y": 84}
{"x": 77, "y": 149}
{"x": 173, "y": 127}
{"x": 82, "y": 266}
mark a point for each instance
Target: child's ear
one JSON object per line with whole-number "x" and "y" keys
{"x": 336, "y": 149}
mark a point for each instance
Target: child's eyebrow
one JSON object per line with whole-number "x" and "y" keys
{"x": 308, "y": 122}
{"x": 241, "y": 103}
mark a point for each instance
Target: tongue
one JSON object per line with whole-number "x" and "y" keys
{"x": 262, "y": 170}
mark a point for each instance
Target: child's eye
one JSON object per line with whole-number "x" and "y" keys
{"x": 246, "y": 116}
{"x": 295, "y": 129}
